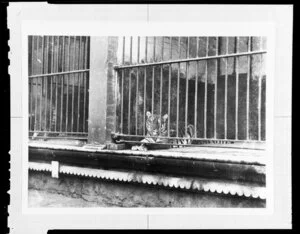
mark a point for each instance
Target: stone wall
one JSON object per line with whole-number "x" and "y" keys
{"x": 100, "y": 193}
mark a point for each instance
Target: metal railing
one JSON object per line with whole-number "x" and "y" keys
{"x": 58, "y": 86}
{"x": 217, "y": 84}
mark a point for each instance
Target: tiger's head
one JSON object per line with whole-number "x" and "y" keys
{"x": 155, "y": 123}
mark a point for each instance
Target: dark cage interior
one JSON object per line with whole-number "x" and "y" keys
{"x": 216, "y": 84}
{"x": 58, "y": 69}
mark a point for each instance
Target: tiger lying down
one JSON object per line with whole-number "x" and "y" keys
{"x": 157, "y": 125}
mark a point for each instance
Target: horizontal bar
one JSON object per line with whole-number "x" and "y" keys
{"x": 62, "y": 137}
{"x": 56, "y": 132}
{"x": 59, "y": 73}
{"x": 204, "y": 139}
{"x": 190, "y": 59}
{"x": 200, "y": 145}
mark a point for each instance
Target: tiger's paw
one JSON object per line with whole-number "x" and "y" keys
{"x": 139, "y": 148}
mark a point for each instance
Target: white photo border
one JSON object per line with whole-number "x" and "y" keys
{"x": 50, "y": 26}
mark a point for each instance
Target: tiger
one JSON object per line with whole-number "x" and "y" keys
{"x": 157, "y": 125}
{"x": 185, "y": 135}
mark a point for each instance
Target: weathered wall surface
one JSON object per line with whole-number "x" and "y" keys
{"x": 73, "y": 191}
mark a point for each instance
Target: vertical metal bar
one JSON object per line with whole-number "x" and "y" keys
{"x": 136, "y": 101}
{"x": 130, "y": 50}
{"x": 129, "y": 101}
{"x": 178, "y": 83}
{"x": 171, "y": 48}
{"x": 187, "y": 86}
{"x": 225, "y": 98}
{"x": 160, "y": 93}
{"x": 51, "y": 81}
{"x": 129, "y": 87}
{"x": 197, "y": 47}
{"x": 144, "y": 113}
{"x": 29, "y": 80}
{"x": 162, "y": 48}
{"x": 30, "y": 103}
{"x": 33, "y": 83}
{"x": 46, "y": 80}
{"x": 259, "y": 91}
{"x": 36, "y": 85}
{"x": 138, "y": 51}
{"x": 248, "y": 87}
{"x": 122, "y": 88}
{"x": 196, "y": 90}
{"x": 186, "y": 97}
{"x": 236, "y": 89}
{"x": 73, "y": 86}
{"x": 78, "y": 84}
{"x": 38, "y": 54}
{"x": 216, "y": 90}
{"x": 62, "y": 82}
{"x": 146, "y": 49}
{"x": 169, "y": 89}
{"x": 79, "y": 81}
{"x": 123, "y": 55}
{"x": 137, "y": 87}
{"x": 85, "y": 79}
{"x": 188, "y": 48}
{"x": 153, "y": 74}
{"x": 177, "y": 110}
{"x": 35, "y": 67}
{"x": 179, "y": 45}
{"x": 152, "y": 96}
{"x": 196, "y": 97}
{"x": 145, "y": 85}
{"x": 205, "y": 91}
{"x": 154, "y": 45}
{"x": 122, "y": 101}
{"x": 42, "y": 82}
{"x": 117, "y": 99}
{"x": 68, "y": 79}
{"x": 32, "y": 55}
{"x": 169, "y": 98}
{"x": 30, "y": 85}
{"x": 56, "y": 83}
{"x": 35, "y": 109}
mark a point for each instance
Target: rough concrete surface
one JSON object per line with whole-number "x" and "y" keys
{"x": 74, "y": 191}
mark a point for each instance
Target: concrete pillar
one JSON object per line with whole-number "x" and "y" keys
{"x": 103, "y": 52}
{"x": 97, "y": 90}
{"x": 111, "y": 87}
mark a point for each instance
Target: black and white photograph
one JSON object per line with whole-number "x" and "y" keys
{"x": 127, "y": 117}
{"x": 147, "y": 121}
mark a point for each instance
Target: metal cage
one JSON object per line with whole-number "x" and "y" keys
{"x": 58, "y": 86}
{"x": 217, "y": 84}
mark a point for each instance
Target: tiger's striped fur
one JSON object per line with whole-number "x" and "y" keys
{"x": 157, "y": 126}
{"x": 185, "y": 135}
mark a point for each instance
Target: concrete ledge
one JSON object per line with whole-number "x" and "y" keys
{"x": 152, "y": 163}
{"x": 229, "y": 155}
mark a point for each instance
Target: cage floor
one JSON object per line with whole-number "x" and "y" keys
{"x": 203, "y": 152}
{"x": 207, "y": 153}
